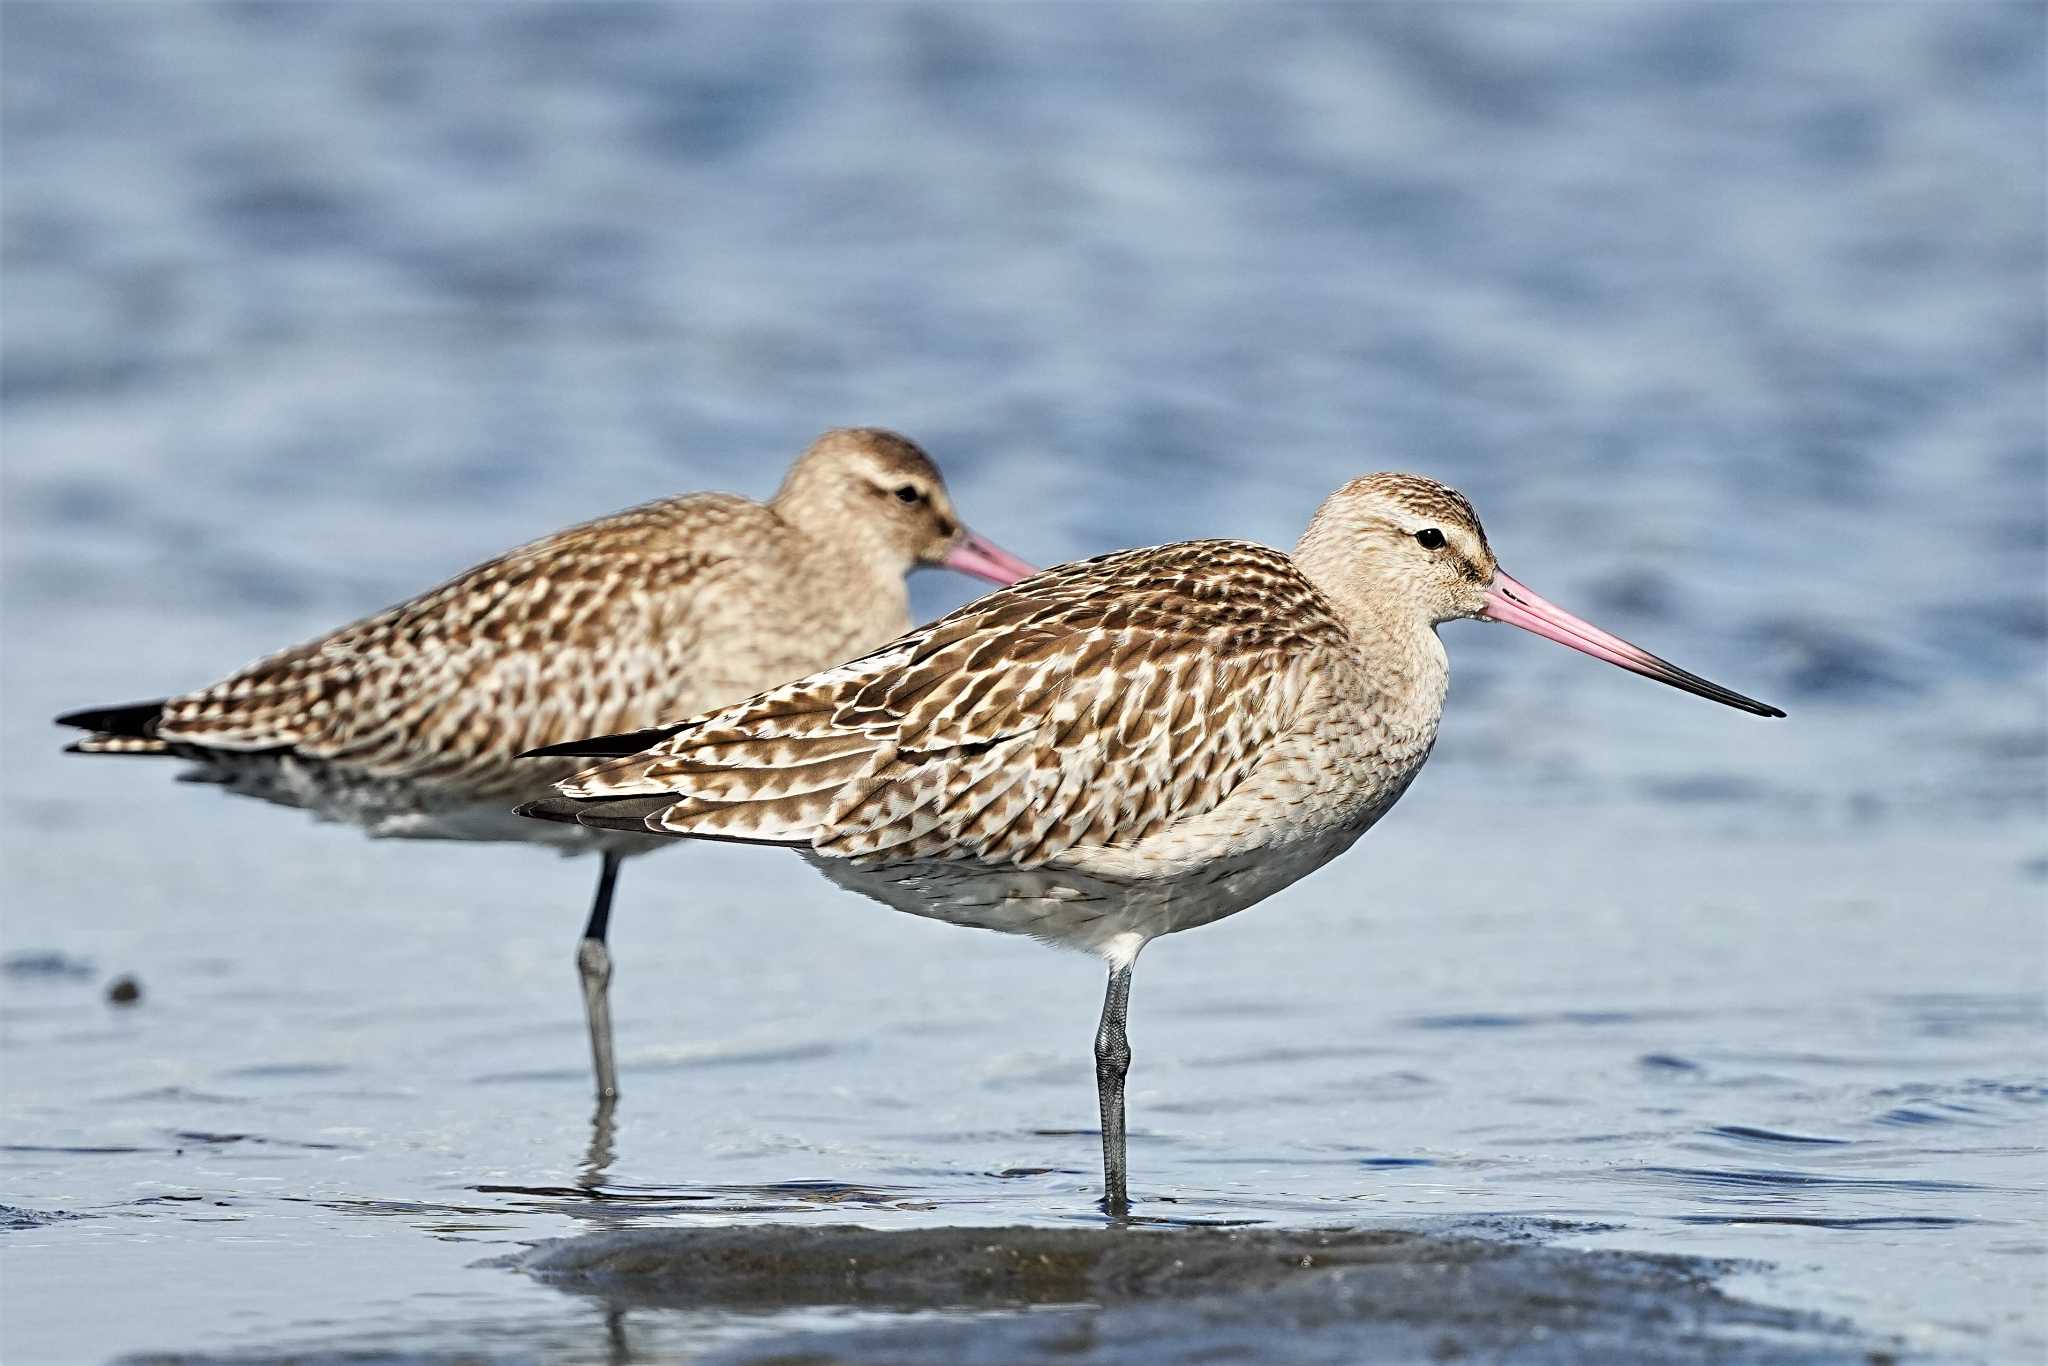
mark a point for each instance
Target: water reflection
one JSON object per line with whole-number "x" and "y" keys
{"x": 836, "y": 1293}
{"x": 598, "y": 1157}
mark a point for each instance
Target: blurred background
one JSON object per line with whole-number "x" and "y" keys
{"x": 1729, "y": 318}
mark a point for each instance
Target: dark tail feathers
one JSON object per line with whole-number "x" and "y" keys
{"x": 561, "y": 809}
{"x": 129, "y": 729}
{"x": 136, "y": 720}
{"x": 600, "y": 813}
{"x": 603, "y": 746}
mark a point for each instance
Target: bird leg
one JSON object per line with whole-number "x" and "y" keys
{"x": 597, "y": 1158}
{"x": 1112, "y": 1064}
{"x": 594, "y": 968}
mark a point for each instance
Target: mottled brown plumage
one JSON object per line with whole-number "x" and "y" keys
{"x": 1086, "y": 709}
{"x": 410, "y": 722}
{"x": 1112, "y": 750}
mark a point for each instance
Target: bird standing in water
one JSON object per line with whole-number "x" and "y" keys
{"x": 1110, "y": 750}
{"x": 409, "y": 723}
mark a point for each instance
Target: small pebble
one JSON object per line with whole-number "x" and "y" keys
{"x": 125, "y": 991}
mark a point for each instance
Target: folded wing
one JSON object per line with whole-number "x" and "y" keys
{"x": 555, "y": 639}
{"x": 1089, "y": 706}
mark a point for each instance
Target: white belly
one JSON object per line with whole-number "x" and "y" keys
{"x": 1109, "y": 916}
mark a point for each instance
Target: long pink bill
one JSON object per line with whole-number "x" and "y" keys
{"x": 1509, "y": 601}
{"x": 986, "y": 560}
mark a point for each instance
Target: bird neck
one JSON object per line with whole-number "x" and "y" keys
{"x": 817, "y": 512}
{"x": 1408, "y": 672}
{"x": 1404, "y": 661}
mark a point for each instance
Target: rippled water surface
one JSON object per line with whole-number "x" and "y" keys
{"x": 1728, "y": 318}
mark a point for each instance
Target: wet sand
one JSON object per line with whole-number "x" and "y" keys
{"x": 1159, "y": 1293}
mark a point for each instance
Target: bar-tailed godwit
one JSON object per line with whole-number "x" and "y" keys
{"x": 1110, "y": 750}
{"x": 408, "y": 723}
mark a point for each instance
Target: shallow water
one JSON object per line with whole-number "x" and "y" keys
{"x": 1729, "y": 321}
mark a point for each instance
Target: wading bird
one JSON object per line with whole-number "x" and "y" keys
{"x": 409, "y": 723}
{"x": 1111, "y": 750}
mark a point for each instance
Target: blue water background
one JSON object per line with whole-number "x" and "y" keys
{"x": 1728, "y": 317}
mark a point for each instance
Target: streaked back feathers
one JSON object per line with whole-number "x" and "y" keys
{"x": 1085, "y": 707}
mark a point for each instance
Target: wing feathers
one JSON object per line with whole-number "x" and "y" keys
{"x": 1090, "y": 706}
{"x": 615, "y": 746}
{"x": 117, "y": 744}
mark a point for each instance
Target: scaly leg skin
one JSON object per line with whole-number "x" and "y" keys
{"x": 1112, "y": 1064}
{"x": 594, "y": 969}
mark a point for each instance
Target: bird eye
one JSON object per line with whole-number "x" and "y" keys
{"x": 1430, "y": 538}
{"x": 909, "y": 493}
